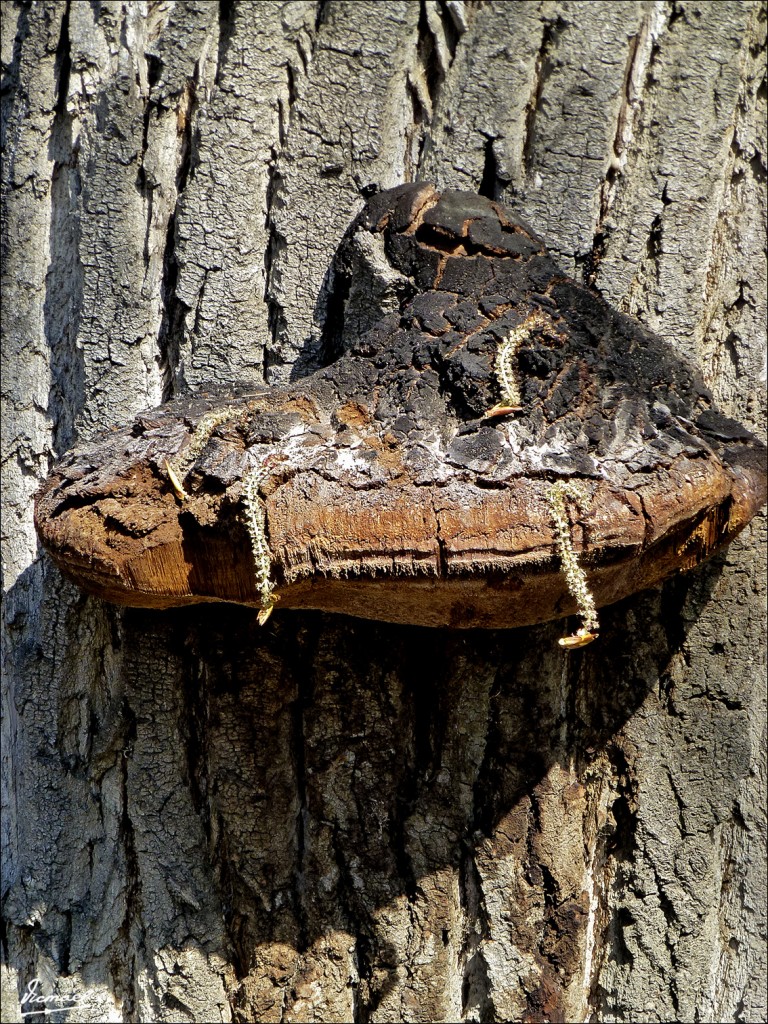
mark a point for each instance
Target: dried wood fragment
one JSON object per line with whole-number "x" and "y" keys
{"x": 390, "y": 494}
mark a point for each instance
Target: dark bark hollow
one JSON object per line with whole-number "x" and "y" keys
{"x": 387, "y": 490}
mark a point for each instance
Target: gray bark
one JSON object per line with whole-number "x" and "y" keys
{"x": 329, "y": 819}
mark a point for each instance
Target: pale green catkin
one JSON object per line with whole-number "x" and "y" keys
{"x": 575, "y": 577}
{"x": 180, "y": 465}
{"x": 507, "y": 354}
{"x": 255, "y": 521}
{"x": 255, "y": 517}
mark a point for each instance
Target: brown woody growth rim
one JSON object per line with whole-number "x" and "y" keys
{"x": 411, "y": 478}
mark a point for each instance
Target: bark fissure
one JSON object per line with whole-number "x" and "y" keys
{"x": 276, "y": 240}
{"x": 227, "y": 23}
{"x": 170, "y": 333}
{"x": 550, "y": 34}
{"x": 132, "y": 926}
{"x": 476, "y": 995}
{"x": 65, "y": 274}
{"x": 173, "y": 320}
{"x": 302, "y": 889}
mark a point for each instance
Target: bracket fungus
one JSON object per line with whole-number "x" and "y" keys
{"x": 489, "y": 444}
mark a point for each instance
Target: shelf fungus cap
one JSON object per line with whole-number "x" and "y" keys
{"x": 411, "y": 478}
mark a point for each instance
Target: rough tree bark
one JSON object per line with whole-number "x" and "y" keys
{"x": 331, "y": 819}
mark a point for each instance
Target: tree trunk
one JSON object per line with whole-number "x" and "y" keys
{"x": 327, "y": 818}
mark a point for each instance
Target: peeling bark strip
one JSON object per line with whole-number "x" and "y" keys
{"x": 392, "y": 494}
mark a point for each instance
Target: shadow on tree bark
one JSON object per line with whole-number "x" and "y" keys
{"x": 332, "y": 781}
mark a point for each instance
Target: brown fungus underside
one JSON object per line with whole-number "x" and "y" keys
{"x": 385, "y": 488}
